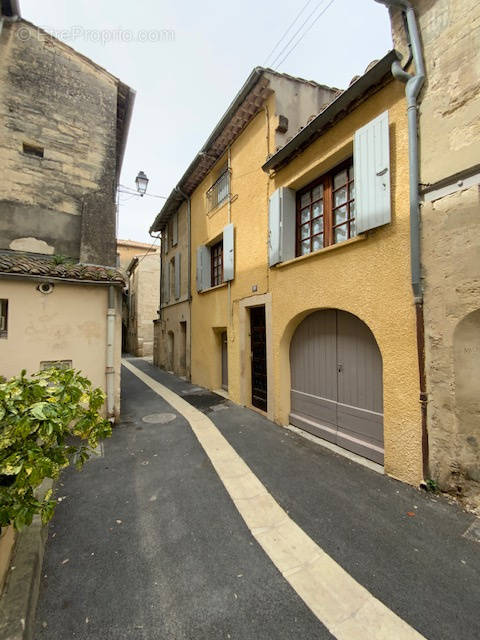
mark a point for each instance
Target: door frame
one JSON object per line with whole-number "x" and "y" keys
{"x": 245, "y": 351}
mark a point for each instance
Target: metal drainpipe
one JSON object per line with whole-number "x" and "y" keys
{"x": 189, "y": 274}
{"x": 159, "y": 310}
{"x": 110, "y": 368}
{"x": 414, "y": 83}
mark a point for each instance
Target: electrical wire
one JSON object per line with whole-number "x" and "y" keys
{"x": 287, "y": 30}
{"x": 285, "y": 47}
{"x": 135, "y": 193}
{"x": 149, "y": 249}
{"x": 305, "y": 33}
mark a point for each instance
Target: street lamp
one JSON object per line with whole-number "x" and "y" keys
{"x": 142, "y": 182}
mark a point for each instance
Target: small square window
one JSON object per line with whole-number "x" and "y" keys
{"x": 33, "y": 150}
{"x": 3, "y": 318}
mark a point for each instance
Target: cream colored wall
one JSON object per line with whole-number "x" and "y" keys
{"x": 70, "y": 323}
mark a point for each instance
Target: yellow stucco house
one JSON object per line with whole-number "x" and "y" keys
{"x": 301, "y": 304}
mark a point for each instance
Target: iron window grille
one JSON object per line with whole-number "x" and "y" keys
{"x": 219, "y": 191}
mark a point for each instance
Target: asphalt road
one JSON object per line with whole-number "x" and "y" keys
{"x": 146, "y": 542}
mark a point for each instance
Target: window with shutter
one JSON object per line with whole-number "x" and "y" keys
{"x": 281, "y": 226}
{"x": 177, "y": 275}
{"x": 326, "y": 210}
{"x": 372, "y": 172}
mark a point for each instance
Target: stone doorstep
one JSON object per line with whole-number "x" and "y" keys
{"x": 18, "y": 602}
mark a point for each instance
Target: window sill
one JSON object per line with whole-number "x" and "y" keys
{"x": 218, "y": 207}
{"x": 332, "y": 247}
{"x": 218, "y": 286}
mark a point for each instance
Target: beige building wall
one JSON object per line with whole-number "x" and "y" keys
{"x": 450, "y": 153}
{"x": 172, "y": 329}
{"x": 70, "y": 323}
{"x": 129, "y": 249}
{"x": 144, "y": 296}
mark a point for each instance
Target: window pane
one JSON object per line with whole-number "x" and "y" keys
{"x": 317, "y": 192}
{"x": 305, "y": 247}
{"x": 341, "y": 233}
{"x": 317, "y": 209}
{"x": 340, "y": 215}
{"x": 305, "y": 215}
{"x": 352, "y": 209}
{"x": 340, "y": 179}
{"x": 317, "y": 242}
{"x": 305, "y": 231}
{"x": 352, "y": 190}
{"x": 317, "y": 226}
{"x": 350, "y": 172}
{"x": 305, "y": 199}
{"x": 353, "y": 230}
{"x": 340, "y": 196}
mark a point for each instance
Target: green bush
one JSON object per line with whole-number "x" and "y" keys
{"x": 40, "y": 417}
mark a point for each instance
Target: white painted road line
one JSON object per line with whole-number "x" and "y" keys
{"x": 344, "y": 606}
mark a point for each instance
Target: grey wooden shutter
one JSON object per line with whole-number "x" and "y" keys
{"x": 167, "y": 281}
{"x": 228, "y": 253}
{"x": 281, "y": 226}
{"x": 204, "y": 276}
{"x": 371, "y": 157}
{"x": 177, "y": 275}
{"x": 175, "y": 229}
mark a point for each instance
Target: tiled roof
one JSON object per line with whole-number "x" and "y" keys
{"x": 30, "y": 265}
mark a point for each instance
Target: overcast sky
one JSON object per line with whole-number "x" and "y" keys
{"x": 199, "y": 56}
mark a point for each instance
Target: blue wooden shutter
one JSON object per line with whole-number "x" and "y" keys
{"x": 228, "y": 253}
{"x": 281, "y": 226}
{"x": 177, "y": 275}
{"x": 204, "y": 277}
{"x": 175, "y": 229}
{"x": 166, "y": 281}
{"x": 371, "y": 157}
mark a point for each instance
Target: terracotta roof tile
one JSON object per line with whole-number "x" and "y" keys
{"x": 17, "y": 263}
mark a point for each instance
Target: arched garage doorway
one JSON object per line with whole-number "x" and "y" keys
{"x": 336, "y": 377}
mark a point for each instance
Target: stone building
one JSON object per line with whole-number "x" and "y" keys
{"x": 449, "y": 136}
{"x": 143, "y": 299}
{"x": 129, "y": 249}
{"x": 63, "y": 131}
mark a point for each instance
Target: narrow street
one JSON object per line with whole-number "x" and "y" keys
{"x": 153, "y": 540}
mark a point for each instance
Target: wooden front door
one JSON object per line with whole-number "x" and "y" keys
{"x": 337, "y": 386}
{"x": 259, "y": 357}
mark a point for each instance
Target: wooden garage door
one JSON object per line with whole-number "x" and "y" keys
{"x": 337, "y": 388}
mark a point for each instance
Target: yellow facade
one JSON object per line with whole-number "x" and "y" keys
{"x": 368, "y": 276}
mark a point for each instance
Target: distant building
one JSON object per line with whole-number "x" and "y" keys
{"x": 129, "y": 249}
{"x": 64, "y": 123}
{"x": 143, "y": 300}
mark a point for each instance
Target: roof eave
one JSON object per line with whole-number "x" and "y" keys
{"x": 176, "y": 198}
{"x": 331, "y": 113}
